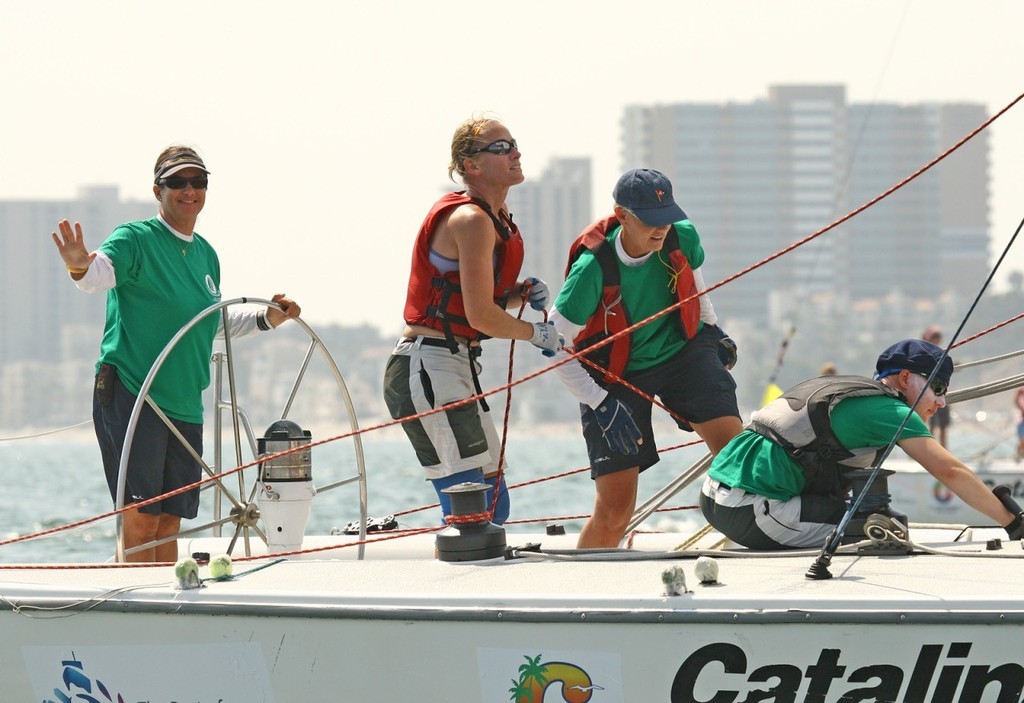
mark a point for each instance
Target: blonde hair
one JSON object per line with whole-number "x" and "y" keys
{"x": 465, "y": 140}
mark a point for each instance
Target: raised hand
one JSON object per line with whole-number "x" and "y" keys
{"x": 71, "y": 245}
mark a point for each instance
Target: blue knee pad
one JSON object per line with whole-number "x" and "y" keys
{"x": 501, "y": 510}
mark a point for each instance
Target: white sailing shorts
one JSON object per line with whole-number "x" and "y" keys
{"x": 421, "y": 376}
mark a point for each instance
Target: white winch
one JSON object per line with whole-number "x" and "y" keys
{"x": 285, "y": 485}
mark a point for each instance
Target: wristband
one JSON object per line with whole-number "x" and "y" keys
{"x": 261, "y": 321}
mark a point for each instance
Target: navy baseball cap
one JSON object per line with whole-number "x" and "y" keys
{"x": 914, "y": 355}
{"x": 648, "y": 195}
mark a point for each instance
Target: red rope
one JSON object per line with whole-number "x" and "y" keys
{"x": 570, "y": 357}
{"x": 993, "y": 328}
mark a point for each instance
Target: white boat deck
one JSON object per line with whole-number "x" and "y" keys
{"x": 974, "y": 583}
{"x": 322, "y": 628}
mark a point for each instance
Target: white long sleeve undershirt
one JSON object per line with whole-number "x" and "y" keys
{"x": 101, "y": 277}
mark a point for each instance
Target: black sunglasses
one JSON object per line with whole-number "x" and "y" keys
{"x": 179, "y": 182}
{"x": 499, "y": 147}
{"x": 938, "y": 386}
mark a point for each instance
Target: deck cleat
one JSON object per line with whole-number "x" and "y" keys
{"x": 883, "y": 528}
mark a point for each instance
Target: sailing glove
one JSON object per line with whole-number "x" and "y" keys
{"x": 617, "y": 426}
{"x": 727, "y": 351}
{"x": 546, "y": 337}
{"x": 538, "y": 293}
{"x": 1015, "y": 529}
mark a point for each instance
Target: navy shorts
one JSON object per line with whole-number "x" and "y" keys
{"x": 693, "y": 384}
{"x": 158, "y": 462}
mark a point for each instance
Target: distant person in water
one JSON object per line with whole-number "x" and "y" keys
{"x": 941, "y": 420}
{"x": 770, "y": 489}
{"x": 465, "y": 271}
{"x": 157, "y": 274}
{"x": 828, "y": 369}
{"x": 630, "y": 265}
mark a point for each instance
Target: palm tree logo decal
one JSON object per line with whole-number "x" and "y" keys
{"x": 535, "y": 678}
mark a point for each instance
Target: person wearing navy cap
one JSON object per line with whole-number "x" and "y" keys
{"x": 631, "y": 265}
{"x": 783, "y": 482}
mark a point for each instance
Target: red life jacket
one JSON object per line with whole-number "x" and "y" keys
{"x": 612, "y": 316}
{"x": 435, "y": 299}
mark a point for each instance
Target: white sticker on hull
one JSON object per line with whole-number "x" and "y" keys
{"x": 232, "y": 672}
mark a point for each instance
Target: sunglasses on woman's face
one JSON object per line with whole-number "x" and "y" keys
{"x": 938, "y": 386}
{"x": 499, "y": 147}
{"x": 179, "y": 182}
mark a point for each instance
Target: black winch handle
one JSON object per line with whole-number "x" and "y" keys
{"x": 1005, "y": 496}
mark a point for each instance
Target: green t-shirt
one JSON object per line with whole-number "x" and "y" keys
{"x": 758, "y": 465}
{"x": 161, "y": 284}
{"x": 646, "y": 290}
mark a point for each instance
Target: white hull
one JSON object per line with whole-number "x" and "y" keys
{"x": 401, "y": 625}
{"x": 394, "y": 628}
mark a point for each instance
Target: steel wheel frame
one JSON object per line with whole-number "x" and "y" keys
{"x": 238, "y": 416}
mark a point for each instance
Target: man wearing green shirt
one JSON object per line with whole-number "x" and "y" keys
{"x": 157, "y": 275}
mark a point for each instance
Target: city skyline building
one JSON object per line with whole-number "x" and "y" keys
{"x": 757, "y": 177}
{"x": 754, "y": 177}
{"x": 49, "y": 330}
{"x": 550, "y": 211}
{"x": 31, "y": 271}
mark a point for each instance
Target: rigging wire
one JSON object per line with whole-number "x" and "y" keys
{"x": 46, "y": 432}
{"x": 819, "y": 570}
{"x": 839, "y": 197}
{"x": 568, "y": 358}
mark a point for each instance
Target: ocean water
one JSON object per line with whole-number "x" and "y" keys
{"x": 53, "y": 481}
{"x": 58, "y": 479}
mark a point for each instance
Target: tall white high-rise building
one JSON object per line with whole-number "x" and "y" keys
{"x": 758, "y": 177}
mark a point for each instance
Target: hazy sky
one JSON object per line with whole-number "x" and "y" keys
{"x": 327, "y": 124}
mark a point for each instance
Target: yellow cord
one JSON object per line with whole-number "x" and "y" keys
{"x": 673, "y": 279}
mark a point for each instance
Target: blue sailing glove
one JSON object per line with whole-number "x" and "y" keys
{"x": 617, "y": 426}
{"x": 727, "y": 351}
{"x": 546, "y": 337}
{"x": 537, "y": 293}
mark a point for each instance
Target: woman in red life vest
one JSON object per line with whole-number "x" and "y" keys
{"x": 465, "y": 269}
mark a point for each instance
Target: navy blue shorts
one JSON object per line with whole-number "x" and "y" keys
{"x": 693, "y": 384}
{"x": 158, "y": 462}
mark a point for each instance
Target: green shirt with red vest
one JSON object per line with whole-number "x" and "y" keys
{"x": 647, "y": 289}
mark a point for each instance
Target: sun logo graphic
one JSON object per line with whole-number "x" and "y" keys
{"x": 941, "y": 493}
{"x": 79, "y": 687}
{"x": 536, "y": 677}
